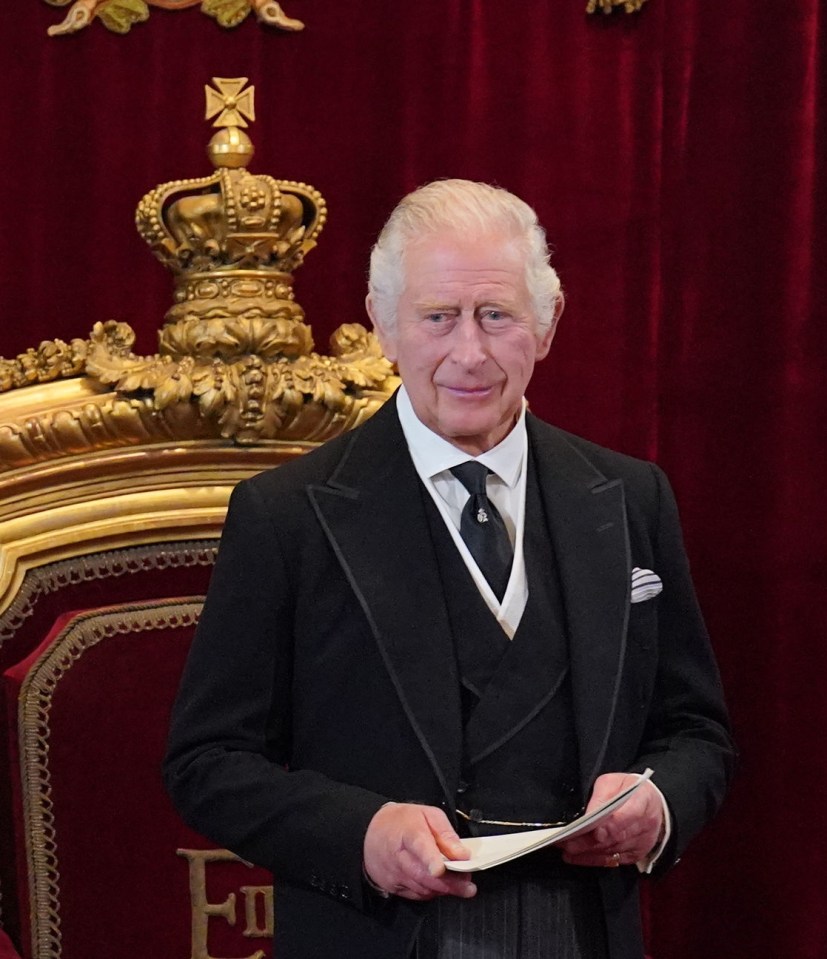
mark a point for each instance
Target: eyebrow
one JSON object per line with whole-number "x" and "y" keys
{"x": 435, "y": 306}
{"x": 446, "y": 305}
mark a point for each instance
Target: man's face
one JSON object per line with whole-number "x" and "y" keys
{"x": 466, "y": 337}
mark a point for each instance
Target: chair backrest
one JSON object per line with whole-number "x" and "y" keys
{"x": 115, "y": 474}
{"x": 104, "y": 865}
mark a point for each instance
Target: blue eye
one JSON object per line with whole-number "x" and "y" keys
{"x": 493, "y": 320}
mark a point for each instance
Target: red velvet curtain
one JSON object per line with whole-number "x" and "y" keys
{"x": 677, "y": 157}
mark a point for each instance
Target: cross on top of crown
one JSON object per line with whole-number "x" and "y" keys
{"x": 231, "y": 101}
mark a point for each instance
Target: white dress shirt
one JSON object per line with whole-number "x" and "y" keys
{"x": 433, "y": 457}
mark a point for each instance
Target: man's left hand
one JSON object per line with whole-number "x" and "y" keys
{"x": 626, "y": 836}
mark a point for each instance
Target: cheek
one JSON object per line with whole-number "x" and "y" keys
{"x": 519, "y": 362}
{"x": 426, "y": 359}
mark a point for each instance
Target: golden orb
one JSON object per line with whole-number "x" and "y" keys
{"x": 230, "y": 147}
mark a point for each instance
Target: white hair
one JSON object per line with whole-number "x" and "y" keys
{"x": 464, "y": 207}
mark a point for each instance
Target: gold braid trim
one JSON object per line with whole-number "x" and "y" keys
{"x": 36, "y": 696}
{"x": 53, "y": 577}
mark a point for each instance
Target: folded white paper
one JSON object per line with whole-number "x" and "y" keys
{"x": 488, "y": 851}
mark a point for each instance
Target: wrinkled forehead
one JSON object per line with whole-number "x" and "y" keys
{"x": 458, "y": 254}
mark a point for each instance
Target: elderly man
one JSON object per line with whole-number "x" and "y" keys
{"x": 455, "y": 620}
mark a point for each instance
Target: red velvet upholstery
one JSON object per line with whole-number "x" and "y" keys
{"x": 7, "y": 950}
{"x": 118, "y": 576}
{"x": 96, "y": 834}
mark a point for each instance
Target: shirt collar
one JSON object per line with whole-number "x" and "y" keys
{"x": 432, "y": 454}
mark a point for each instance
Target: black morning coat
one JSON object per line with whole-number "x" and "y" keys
{"x": 322, "y": 679}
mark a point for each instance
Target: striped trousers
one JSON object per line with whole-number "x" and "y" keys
{"x": 517, "y": 916}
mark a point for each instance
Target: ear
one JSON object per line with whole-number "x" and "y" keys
{"x": 387, "y": 339}
{"x": 544, "y": 343}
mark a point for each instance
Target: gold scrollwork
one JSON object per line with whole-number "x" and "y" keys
{"x": 120, "y": 16}
{"x": 52, "y": 360}
{"x": 607, "y": 6}
{"x": 255, "y": 396}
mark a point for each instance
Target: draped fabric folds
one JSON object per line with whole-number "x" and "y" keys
{"x": 677, "y": 158}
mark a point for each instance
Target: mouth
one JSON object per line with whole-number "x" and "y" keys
{"x": 471, "y": 392}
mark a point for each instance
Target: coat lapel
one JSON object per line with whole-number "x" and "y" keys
{"x": 372, "y": 512}
{"x": 587, "y": 518}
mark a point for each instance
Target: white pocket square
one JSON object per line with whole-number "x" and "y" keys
{"x": 645, "y": 584}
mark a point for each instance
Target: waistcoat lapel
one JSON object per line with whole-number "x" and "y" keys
{"x": 535, "y": 663}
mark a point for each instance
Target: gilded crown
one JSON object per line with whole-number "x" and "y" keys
{"x": 235, "y": 353}
{"x": 232, "y": 239}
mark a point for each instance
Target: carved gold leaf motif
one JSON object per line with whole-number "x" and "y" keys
{"x": 607, "y": 6}
{"x": 120, "y": 15}
{"x": 229, "y": 13}
{"x": 236, "y": 358}
{"x": 52, "y": 360}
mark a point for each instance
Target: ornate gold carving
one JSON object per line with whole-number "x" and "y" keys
{"x": 607, "y": 6}
{"x": 52, "y": 360}
{"x": 35, "y": 706}
{"x": 235, "y": 356}
{"x": 254, "y": 373}
{"x": 202, "y": 909}
{"x": 120, "y": 15}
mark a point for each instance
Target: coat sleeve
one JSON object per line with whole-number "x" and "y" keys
{"x": 226, "y": 764}
{"x": 687, "y": 737}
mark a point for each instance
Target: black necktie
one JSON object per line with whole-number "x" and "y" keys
{"x": 483, "y": 529}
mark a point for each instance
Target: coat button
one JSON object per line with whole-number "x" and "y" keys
{"x": 475, "y": 815}
{"x": 462, "y": 787}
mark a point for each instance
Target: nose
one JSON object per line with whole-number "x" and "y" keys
{"x": 468, "y": 348}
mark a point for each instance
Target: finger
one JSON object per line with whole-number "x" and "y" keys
{"x": 457, "y": 884}
{"x": 451, "y": 846}
{"x": 422, "y": 847}
{"x": 412, "y": 881}
{"x": 635, "y": 844}
{"x": 445, "y": 837}
{"x": 624, "y": 826}
{"x": 412, "y": 874}
{"x": 606, "y": 787}
{"x": 418, "y": 893}
{"x": 601, "y": 860}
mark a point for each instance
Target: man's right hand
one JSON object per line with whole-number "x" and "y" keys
{"x": 403, "y": 852}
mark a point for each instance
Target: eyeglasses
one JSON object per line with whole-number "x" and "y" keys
{"x": 475, "y": 817}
